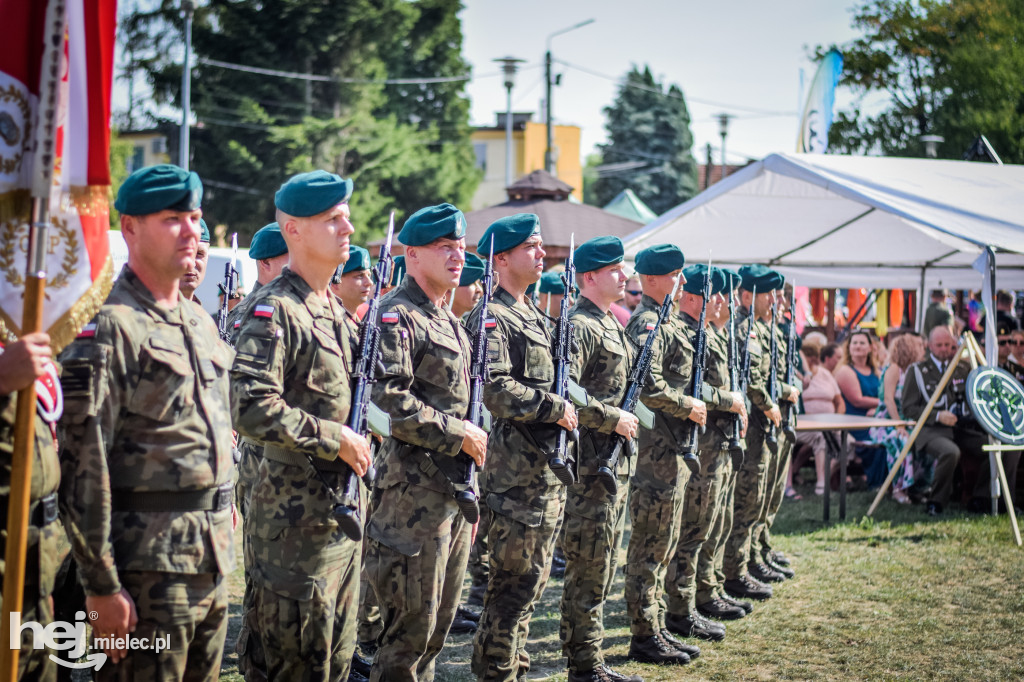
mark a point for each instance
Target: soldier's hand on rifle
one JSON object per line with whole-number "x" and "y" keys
{"x": 739, "y": 405}
{"x": 946, "y": 418}
{"x": 115, "y": 617}
{"x": 24, "y": 361}
{"x": 475, "y": 443}
{"x": 627, "y": 424}
{"x": 569, "y": 420}
{"x": 699, "y": 412}
{"x": 794, "y": 395}
{"x": 354, "y": 451}
{"x": 774, "y": 415}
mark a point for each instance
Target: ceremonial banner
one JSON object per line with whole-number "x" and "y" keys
{"x": 78, "y": 266}
{"x": 817, "y": 114}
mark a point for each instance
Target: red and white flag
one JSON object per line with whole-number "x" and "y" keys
{"x": 78, "y": 266}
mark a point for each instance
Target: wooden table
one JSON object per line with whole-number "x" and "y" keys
{"x": 840, "y": 424}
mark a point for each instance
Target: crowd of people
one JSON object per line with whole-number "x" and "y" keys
{"x": 176, "y": 429}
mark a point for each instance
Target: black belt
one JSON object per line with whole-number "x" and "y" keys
{"x": 41, "y": 512}
{"x": 211, "y": 499}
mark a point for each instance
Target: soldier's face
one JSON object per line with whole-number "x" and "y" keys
{"x": 608, "y": 283}
{"x": 941, "y": 344}
{"x": 527, "y": 259}
{"x": 163, "y": 244}
{"x": 442, "y": 261}
{"x": 355, "y": 287}
{"x": 466, "y": 297}
{"x": 763, "y": 304}
{"x": 191, "y": 280}
{"x": 716, "y": 306}
{"x": 326, "y": 236}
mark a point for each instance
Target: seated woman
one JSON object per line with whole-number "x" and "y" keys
{"x": 821, "y": 395}
{"x": 904, "y": 351}
{"x": 860, "y": 381}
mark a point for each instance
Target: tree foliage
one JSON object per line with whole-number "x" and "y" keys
{"x": 404, "y": 145}
{"x": 648, "y": 123}
{"x": 950, "y": 68}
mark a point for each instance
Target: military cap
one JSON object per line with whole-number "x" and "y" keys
{"x": 508, "y": 232}
{"x": 358, "y": 259}
{"x": 551, "y": 283}
{"x": 695, "y": 276}
{"x": 398, "y": 271}
{"x": 156, "y": 188}
{"x": 1005, "y": 323}
{"x": 472, "y": 271}
{"x": 597, "y": 253}
{"x": 731, "y": 279}
{"x": 760, "y": 276}
{"x": 310, "y": 194}
{"x": 204, "y": 235}
{"x": 267, "y": 243}
{"x": 660, "y": 260}
{"x": 443, "y": 221}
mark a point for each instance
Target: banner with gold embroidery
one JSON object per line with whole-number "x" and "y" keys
{"x": 78, "y": 265}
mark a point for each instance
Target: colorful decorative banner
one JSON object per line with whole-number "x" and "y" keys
{"x": 817, "y": 114}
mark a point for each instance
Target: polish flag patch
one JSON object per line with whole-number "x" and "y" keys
{"x": 651, "y": 326}
{"x": 389, "y": 318}
{"x": 88, "y": 331}
{"x": 238, "y": 323}
{"x": 490, "y": 323}
{"x": 263, "y": 311}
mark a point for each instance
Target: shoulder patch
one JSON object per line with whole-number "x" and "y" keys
{"x": 490, "y": 323}
{"x": 263, "y": 310}
{"x": 650, "y": 326}
{"x": 389, "y": 318}
{"x": 88, "y": 331}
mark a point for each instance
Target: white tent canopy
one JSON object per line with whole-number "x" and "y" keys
{"x": 844, "y": 221}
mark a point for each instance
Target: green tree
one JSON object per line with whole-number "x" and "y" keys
{"x": 648, "y": 123}
{"x": 404, "y": 146}
{"x": 949, "y": 68}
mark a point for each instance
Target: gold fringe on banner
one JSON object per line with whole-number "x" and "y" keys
{"x": 66, "y": 328}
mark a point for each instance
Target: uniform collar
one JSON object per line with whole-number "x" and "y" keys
{"x": 314, "y": 304}
{"x": 412, "y": 290}
{"x": 135, "y": 288}
{"x": 584, "y": 304}
{"x": 690, "y": 321}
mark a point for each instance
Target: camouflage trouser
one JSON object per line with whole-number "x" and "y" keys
{"x": 748, "y": 499}
{"x": 701, "y": 500}
{"x": 710, "y": 577}
{"x": 416, "y": 552}
{"x": 479, "y": 555}
{"x": 252, "y": 664}
{"x": 521, "y": 539}
{"x": 369, "y": 627}
{"x": 35, "y": 664}
{"x": 191, "y": 609}
{"x": 655, "y": 516}
{"x": 594, "y": 521}
{"x": 776, "y": 481}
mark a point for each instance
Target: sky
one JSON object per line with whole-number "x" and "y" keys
{"x": 741, "y": 57}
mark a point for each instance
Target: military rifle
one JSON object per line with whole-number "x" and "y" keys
{"x": 771, "y": 435}
{"x": 560, "y": 459}
{"x": 690, "y": 457}
{"x": 637, "y": 378}
{"x": 229, "y": 290}
{"x": 736, "y": 381}
{"x": 788, "y": 408}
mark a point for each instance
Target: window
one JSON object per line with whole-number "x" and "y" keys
{"x": 481, "y": 155}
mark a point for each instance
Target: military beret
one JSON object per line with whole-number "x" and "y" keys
{"x": 508, "y": 232}
{"x": 696, "y": 275}
{"x": 551, "y": 283}
{"x": 204, "y": 235}
{"x": 156, "y": 188}
{"x": 719, "y": 280}
{"x": 310, "y": 194}
{"x": 472, "y": 271}
{"x": 443, "y": 221}
{"x": 731, "y": 279}
{"x": 760, "y": 276}
{"x": 267, "y": 243}
{"x": 597, "y": 253}
{"x": 660, "y": 260}
{"x": 398, "y": 271}
{"x": 358, "y": 259}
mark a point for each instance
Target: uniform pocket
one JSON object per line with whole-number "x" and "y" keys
{"x": 166, "y": 385}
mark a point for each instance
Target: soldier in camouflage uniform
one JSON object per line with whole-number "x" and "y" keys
{"x": 291, "y": 394}
{"x": 417, "y": 538}
{"x": 702, "y": 498}
{"x": 750, "y": 492}
{"x": 197, "y": 273}
{"x": 595, "y": 517}
{"x": 523, "y": 494}
{"x": 22, "y": 363}
{"x": 353, "y": 281}
{"x": 656, "y": 488}
{"x": 270, "y": 252}
{"x": 147, "y": 447}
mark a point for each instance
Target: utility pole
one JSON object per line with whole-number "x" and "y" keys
{"x": 188, "y": 8}
{"x": 549, "y": 155}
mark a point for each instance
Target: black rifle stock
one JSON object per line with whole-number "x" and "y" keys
{"x": 229, "y": 289}
{"x": 788, "y": 408}
{"x": 690, "y": 457}
{"x": 771, "y": 435}
{"x": 735, "y": 379}
{"x": 560, "y": 459}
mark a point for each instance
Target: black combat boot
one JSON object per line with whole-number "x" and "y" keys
{"x": 746, "y": 587}
{"x": 720, "y": 610}
{"x": 695, "y": 625}
{"x": 654, "y": 649}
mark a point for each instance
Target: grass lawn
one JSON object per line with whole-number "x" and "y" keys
{"x": 898, "y": 596}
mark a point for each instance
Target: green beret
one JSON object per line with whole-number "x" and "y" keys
{"x": 760, "y": 276}
{"x": 597, "y": 253}
{"x": 398, "y": 271}
{"x": 433, "y": 222}
{"x": 780, "y": 279}
{"x": 696, "y": 275}
{"x": 660, "y": 260}
{"x": 472, "y": 271}
{"x": 508, "y": 232}
{"x": 267, "y": 243}
{"x": 551, "y": 283}
{"x": 358, "y": 259}
{"x": 732, "y": 279}
{"x": 156, "y": 188}
{"x": 719, "y": 280}
{"x": 310, "y": 194}
{"x": 205, "y": 235}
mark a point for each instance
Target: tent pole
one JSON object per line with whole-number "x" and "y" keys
{"x": 921, "y": 298}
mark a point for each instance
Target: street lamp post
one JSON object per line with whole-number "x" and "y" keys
{"x": 509, "y": 66}
{"x": 723, "y": 130}
{"x": 188, "y": 8}
{"x": 549, "y": 159}
{"x": 931, "y": 145}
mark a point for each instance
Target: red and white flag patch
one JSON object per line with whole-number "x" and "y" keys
{"x": 88, "y": 331}
{"x": 651, "y": 326}
{"x": 238, "y": 323}
{"x": 263, "y": 311}
{"x": 389, "y": 318}
{"x": 490, "y": 323}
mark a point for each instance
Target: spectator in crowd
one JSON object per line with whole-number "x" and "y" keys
{"x": 1005, "y": 318}
{"x": 859, "y": 379}
{"x": 1017, "y": 346}
{"x": 831, "y": 356}
{"x": 821, "y": 395}
{"x": 938, "y": 314}
{"x": 906, "y": 349}
{"x": 633, "y": 293}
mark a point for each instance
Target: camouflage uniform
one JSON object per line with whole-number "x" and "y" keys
{"x": 146, "y": 464}
{"x": 751, "y": 480}
{"x": 702, "y": 498}
{"x": 291, "y": 394}
{"x": 418, "y": 540}
{"x": 524, "y": 496}
{"x": 594, "y": 518}
{"x": 656, "y": 489}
